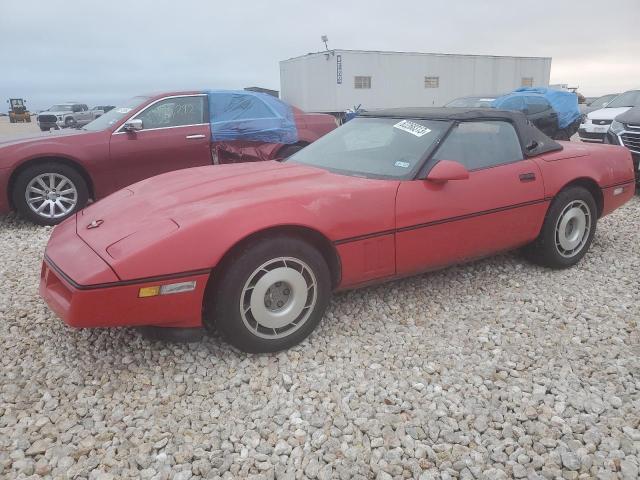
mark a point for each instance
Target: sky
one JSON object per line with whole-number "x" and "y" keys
{"x": 103, "y": 52}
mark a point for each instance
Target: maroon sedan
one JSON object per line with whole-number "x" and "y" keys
{"x": 48, "y": 177}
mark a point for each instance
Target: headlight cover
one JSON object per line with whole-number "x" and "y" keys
{"x": 616, "y": 127}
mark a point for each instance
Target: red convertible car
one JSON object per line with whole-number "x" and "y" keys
{"x": 48, "y": 177}
{"x": 256, "y": 249}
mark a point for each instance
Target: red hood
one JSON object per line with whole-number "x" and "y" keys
{"x": 53, "y": 136}
{"x": 62, "y": 143}
{"x": 231, "y": 201}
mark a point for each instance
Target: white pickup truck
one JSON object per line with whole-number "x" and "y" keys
{"x": 66, "y": 115}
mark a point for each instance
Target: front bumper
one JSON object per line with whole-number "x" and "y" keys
{"x": 83, "y": 290}
{"x": 5, "y": 206}
{"x": 590, "y": 136}
{"x": 631, "y": 140}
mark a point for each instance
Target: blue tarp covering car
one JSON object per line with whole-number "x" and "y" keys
{"x": 564, "y": 103}
{"x": 246, "y": 115}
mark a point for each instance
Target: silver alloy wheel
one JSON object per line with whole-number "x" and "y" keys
{"x": 573, "y": 228}
{"x": 278, "y": 298}
{"x": 51, "y": 195}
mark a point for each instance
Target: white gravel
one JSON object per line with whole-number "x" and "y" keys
{"x": 497, "y": 369}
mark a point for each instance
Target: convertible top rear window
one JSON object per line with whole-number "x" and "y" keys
{"x": 375, "y": 147}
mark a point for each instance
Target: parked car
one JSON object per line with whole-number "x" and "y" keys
{"x": 66, "y": 115}
{"x": 47, "y": 179}
{"x": 535, "y": 105}
{"x": 625, "y": 130}
{"x": 554, "y": 112}
{"x": 597, "y": 103}
{"x": 256, "y": 249}
{"x": 103, "y": 108}
{"x": 476, "y": 101}
{"x": 597, "y": 123}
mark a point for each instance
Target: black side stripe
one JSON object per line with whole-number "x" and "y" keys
{"x": 121, "y": 283}
{"x": 619, "y": 184}
{"x": 441, "y": 221}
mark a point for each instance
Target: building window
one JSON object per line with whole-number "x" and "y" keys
{"x": 362, "y": 82}
{"x": 527, "y": 81}
{"x": 431, "y": 82}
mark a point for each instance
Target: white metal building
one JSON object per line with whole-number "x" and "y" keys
{"x": 336, "y": 80}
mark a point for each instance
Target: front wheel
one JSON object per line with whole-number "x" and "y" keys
{"x": 567, "y": 231}
{"x": 48, "y": 193}
{"x": 270, "y": 295}
{"x": 70, "y": 122}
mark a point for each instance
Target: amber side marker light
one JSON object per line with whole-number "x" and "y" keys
{"x": 156, "y": 290}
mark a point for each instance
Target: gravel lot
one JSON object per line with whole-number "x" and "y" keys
{"x": 497, "y": 369}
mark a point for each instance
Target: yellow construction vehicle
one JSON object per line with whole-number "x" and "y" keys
{"x": 17, "y": 111}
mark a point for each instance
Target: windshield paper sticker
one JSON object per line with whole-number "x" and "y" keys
{"x": 402, "y": 164}
{"x": 412, "y": 127}
{"x": 123, "y": 110}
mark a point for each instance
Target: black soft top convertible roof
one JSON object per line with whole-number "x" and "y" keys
{"x": 527, "y": 132}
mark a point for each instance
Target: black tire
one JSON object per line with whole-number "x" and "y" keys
{"x": 12, "y": 120}
{"x": 222, "y": 306}
{"x": 546, "y": 250}
{"x": 70, "y": 122}
{"x": 26, "y": 176}
{"x": 45, "y": 129}
{"x": 288, "y": 150}
{"x": 28, "y": 119}
{"x": 563, "y": 135}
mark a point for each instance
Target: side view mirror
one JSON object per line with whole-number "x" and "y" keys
{"x": 446, "y": 170}
{"x": 133, "y": 125}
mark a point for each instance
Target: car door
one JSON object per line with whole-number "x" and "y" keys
{"x": 241, "y": 125}
{"x": 83, "y": 116}
{"x": 541, "y": 114}
{"x": 499, "y": 207}
{"x": 175, "y": 134}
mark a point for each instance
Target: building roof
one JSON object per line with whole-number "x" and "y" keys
{"x": 391, "y": 52}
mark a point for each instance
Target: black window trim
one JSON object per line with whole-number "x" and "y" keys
{"x": 120, "y": 130}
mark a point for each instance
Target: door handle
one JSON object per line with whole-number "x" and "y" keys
{"x": 192, "y": 137}
{"x": 527, "y": 177}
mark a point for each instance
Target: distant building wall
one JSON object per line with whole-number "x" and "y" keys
{"x": 341, "y": 79}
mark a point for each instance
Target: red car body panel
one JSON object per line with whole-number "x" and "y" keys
{"x": 111, "y": 160}
{"x": 178, "y": 226}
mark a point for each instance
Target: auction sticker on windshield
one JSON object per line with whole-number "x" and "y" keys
{"x": 412, "y": 127}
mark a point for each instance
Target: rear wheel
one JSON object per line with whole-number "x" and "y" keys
{"x": 270, "y": 295}
{"x": 567, "y": 231}
{"x": 48, "y": 193}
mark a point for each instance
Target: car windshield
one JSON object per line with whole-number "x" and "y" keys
{"x": 627, "y": 99}
{"x": 374, "y": 147}
{"x": 61, "y": 108}
{"x": 600, "y": 102}
{"x": 114, "y": 115}
{"x": 471, "y": 102}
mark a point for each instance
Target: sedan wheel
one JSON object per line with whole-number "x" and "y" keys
{"x": 269, "y": 295}
{"x": 567, "y": 231}
{"x": 51, "y": 195}
{"x": 48, "y": 193}
{"x": 278, "y": 297}
{"x": 572, "y": 228}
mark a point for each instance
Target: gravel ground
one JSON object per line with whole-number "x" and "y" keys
{"x": 496, "y": 369}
